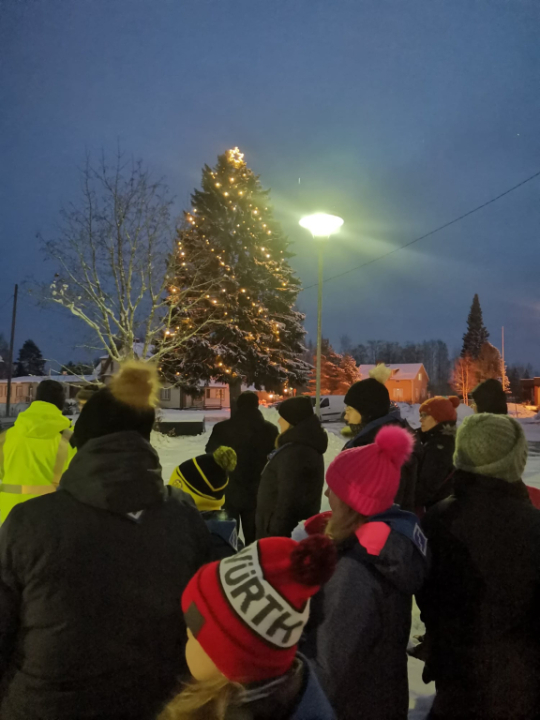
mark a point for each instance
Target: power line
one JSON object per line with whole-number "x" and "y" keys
{"x": 431, "y": 232}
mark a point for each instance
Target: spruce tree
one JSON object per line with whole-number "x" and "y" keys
{"x": 231, "y": 241}
{"x": 30, "y": 360}
{"x": 477, "y": 333}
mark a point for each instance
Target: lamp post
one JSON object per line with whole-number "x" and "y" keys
{"x": 321, "y": 226}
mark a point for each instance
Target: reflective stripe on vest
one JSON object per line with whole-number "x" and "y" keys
{"x": 61, "y": 456}
{"x": 27, "y": 489}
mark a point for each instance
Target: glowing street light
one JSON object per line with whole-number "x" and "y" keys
{"x": 320, "y": 225}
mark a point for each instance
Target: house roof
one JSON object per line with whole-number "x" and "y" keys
{"x": 58, "y": 378}
{"x": 402, "y": 371}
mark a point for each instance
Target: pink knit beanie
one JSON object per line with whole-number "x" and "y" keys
{"x": 367, "y": 478}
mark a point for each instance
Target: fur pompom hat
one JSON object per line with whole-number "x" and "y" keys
{"x": 370, "y": 397}
{"x": 127, "y": 403}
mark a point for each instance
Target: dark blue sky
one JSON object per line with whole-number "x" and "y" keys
{"x": 397, "y": 114}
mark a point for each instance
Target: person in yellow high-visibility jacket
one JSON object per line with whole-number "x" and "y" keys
{"x": 36, "y": 450}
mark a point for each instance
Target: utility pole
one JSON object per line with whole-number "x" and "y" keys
{"x": 503, "y": 369}
{"x": 10, "y": 357}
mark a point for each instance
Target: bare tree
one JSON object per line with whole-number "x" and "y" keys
{"x": 114, "y": 254}
{"x": 464, "y": 376}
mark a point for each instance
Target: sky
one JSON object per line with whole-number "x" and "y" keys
{"x": 398, "y": 115}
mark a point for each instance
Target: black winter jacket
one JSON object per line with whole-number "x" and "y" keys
{"x": 481, "y": 603}
{"x": 252, "y": 438}
{"x": 292, "y": 482}
{"x": 90, "y": 584}
{"x": 360, "y": 622}
{"x": 405, "y": 497}
{"x": 436, "y": 465}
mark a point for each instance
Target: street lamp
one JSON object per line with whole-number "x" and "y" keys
{"x": 320, "y": 226}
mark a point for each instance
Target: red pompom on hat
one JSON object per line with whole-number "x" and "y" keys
{"x": 249, "y": 610}
{"x": 441, "y": 409}
{"x": 367, "y": 478}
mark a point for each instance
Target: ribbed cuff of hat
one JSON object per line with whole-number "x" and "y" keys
{"x": 492, "y": 445}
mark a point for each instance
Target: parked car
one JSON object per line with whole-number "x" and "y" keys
{"x": 332, "y": 407}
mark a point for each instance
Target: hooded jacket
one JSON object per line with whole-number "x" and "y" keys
{"x": 293, "y": 479}
{"x": 405, "y": 497}
{"x": 33, "y": 455}
{"x": 253, "y": 439}
{"x": 360, "y": 620}
{"x": 436, "y": 465}
{"x": 481, "y": 601}
{"x": 293, "y": 699}
{"x": 90, "y": 584}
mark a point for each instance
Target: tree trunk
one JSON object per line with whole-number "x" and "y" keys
{"x": 235, "y": 389}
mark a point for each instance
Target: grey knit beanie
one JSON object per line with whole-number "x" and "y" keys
{"x": 492, "y": 445}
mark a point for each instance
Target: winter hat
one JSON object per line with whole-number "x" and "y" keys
{"x": 51, "y": 391}
{"x": 371, "y": 397}
{"x": 205, "y": 477}
{"x": 126, "y": 404}
{"x": 490, "y": 397}
{"x": 296, "y": 409}
{"x": 492, "y": 445}
{"x": 247, "y": 400}
{"x": 249, "y": 610}
{"x": 367, "y": 478}
{"x": 86, "y": 392}
{"x": 441, "y": 409}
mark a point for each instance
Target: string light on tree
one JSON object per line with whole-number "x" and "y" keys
{"x": 263, "y": 344}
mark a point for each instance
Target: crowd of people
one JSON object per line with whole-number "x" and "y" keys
{"x": 227, "y": 594}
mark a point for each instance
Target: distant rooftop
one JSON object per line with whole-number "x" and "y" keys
{"x": 401, "y": 371}
{"x": 58, "y": 378}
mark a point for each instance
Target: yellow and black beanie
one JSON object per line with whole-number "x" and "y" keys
{"x": 205, "y": 477}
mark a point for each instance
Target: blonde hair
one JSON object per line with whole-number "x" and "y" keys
{"x": 136, "y": 384}
{"x": 349, "y": 523}
{"x": 203, "y": 700}
{"x": 226, "y": 458}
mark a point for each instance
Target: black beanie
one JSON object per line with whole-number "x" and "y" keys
{"x": 296, "y": 409}
{"x": 370, "y": 397}
{"x": 127, "y": 404}
{"x": 490, "y": 397}
{"x": 247, "y": 400}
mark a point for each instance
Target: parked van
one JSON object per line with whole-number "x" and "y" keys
{"x": 332, "y": 407}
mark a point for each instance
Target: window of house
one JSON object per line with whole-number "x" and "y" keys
{"x": 19, "y": 391}
{"x": 215, "y": 393}
{"x": 420, "y": 376}
{"x": 31, "y": 392}
{"x": 165, "y": 393}
{"x": 398, "y": 394}
{"x": 2, "y": 390}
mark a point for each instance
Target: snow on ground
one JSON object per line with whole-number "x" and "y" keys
{"x": 173, "y": 451}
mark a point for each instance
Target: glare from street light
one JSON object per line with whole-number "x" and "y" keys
{"x": 321, "y": 224}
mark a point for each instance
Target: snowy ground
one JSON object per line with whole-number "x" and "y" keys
{"x": 173, "y": 451}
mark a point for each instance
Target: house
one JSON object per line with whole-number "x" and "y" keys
{"x": 530, "y": 391}
{"x": 408, "y": 383}
{"x": 215, "y": 396}
{"x": 23, "y": 389}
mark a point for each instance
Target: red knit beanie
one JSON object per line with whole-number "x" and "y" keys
{"x": 367, "y": 478}
{"x": 441, "y": 409}
{"x": 249, "y": 610}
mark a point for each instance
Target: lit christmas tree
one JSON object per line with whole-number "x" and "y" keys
{"x": 231, "y": 241}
